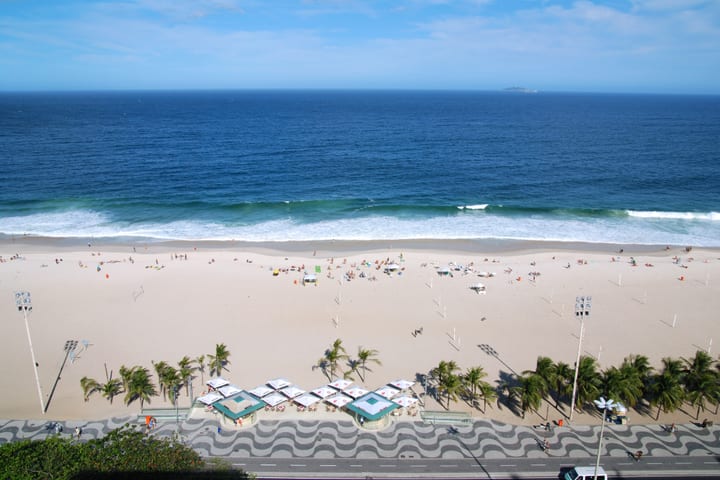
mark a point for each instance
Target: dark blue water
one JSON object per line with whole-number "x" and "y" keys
{"x": 303, "y": 165}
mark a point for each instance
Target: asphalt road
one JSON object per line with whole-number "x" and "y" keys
{"x": 520, "y": 468}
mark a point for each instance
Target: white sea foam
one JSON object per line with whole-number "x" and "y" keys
{"x": 714, "y": 216}
{"x": 619, "y": 230}
{"x": 73, "y": 223}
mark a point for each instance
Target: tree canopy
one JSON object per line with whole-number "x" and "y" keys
{"x": 124, "y": 453}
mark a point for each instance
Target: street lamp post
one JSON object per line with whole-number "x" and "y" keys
{"x": 24, "y": 305}
{"x": 604, "y": 404}
{"x": 176, "y": 389}
{"x": 582, "y": 310}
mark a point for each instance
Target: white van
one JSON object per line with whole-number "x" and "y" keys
{"x": 585, "y": 473}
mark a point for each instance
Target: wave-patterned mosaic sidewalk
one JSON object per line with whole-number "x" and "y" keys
{"x": 343, "y": 439}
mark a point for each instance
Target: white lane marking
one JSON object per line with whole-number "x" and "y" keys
{"x": 298, "y": 465}
{"x": 509, "y": 465}
{"x": 268, "y": 464}
{"x": 328, "y": 465}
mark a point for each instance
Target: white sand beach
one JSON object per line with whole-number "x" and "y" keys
{"x": 158, "y": 307}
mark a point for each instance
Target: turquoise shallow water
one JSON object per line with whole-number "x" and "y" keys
{"x": 308, "y": 165}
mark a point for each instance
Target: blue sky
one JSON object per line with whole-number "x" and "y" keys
{"x": 654, "y": 46}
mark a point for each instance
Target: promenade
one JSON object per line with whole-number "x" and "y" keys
{"x": 485, "y": 448}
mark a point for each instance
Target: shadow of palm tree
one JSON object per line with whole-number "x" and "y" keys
{"x": 506, "y": 381}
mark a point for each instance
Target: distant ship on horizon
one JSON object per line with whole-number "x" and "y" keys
{"x": 520, "y": 90}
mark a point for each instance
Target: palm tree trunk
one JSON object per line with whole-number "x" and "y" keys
{"x": 657, "y": 417}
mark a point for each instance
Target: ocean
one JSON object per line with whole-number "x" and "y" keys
{"x": 264, "y": 166}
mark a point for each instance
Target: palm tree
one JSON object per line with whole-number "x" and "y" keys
{"x": 185, "y": 371}
{"x": 201, "y": 367}
{"x": 666, "y": 388}
{"x": 140, "y": 386}
{"x": 89, "y": 386}
{"x": 324, "y": 366}
{"x": 337, "y": 347}
{"x": 641, "y": 364}
{"x": 701, "y": 382}
{"x": 545, "y": 368}
{"x": 111, "y": 388}
{"x": 589, "y": 381}
{"x": 623, "y": 384}
{"x": 161, "y": 368}
{"x": 472, "y": 381}
{"x": 365, "y": 356}
{"x": 562, "y": 384}
{"x": 450, "y": 386}
{"x": 353, "y": 367}
{"x": 444, "y": 369}
{"x": 219, "y": 361}
{"x": 125, "y": 374}
{"x": 705, "y": 390}
{"x": 334, "y": 355}
{"x": 528, "y": 393}
{"x": 488, "y": 393}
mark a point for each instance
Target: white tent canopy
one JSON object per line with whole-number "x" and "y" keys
{"x": 402, "y": 384}
{"x": 210, "y": 398}
{"x": 292, "y": 391}
{"x": 355, "y": 392}
{"x": 387, "y": 392}
{"x": 274, "y": 399}
{"x": 339, "y": 400}
{"x": 306, "y": 399}
{"x": 405, "y": 401}
{"x": 340, "y": 383}
{"x": 324, "y": 392}
{"x": 279, "y": 383}
{"x": 217, "y": 383}
{"x": 229, "y": 390}
{"x": 261, "y": 391}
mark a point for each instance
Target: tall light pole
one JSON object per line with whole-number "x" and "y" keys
{"x": 604, "y": 404}
{"x": 582, "y": 310}
{"x": 24, "y": 305}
